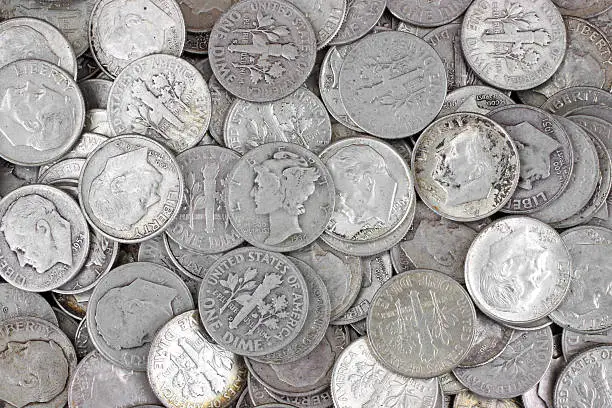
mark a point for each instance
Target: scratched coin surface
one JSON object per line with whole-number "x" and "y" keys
{"x": 603, "y": 22}
{"x": 262, "y": 51}
{"x": 518, "y": 270}
{"x": 185, "y": 368}
{"x": 131, "y": 188}
{"x": 326, "y": 17}
{"x": 427, "y": 13}
{"x": 361, "y": 16}
{"x": 421, "y": 324}
{"x": 253, "y": 302}
{"x": 474, "y": 99}
{"x": 19, "y": 303}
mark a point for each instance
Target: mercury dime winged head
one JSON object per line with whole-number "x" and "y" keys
{"x": 37, "y": 233}
{"x": 125, "y": 189}
{"x": 365, "y": 190}
{"x": 24, "y": 42}
{"x": 32, "y": 372}
{"x": 281, "y": 187}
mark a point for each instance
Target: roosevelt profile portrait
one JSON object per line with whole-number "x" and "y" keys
{"x": 24, "y": 42}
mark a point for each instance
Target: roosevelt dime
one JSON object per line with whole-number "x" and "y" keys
{"x": 574, "y": 343}
{"x": 326, "y": 17}
{"x": 569, "y": 99}
{"x": 19, "y": 303}
{"x": 428, "y": 13}
{"x": 361, "y": 16}
{"x": 474, "y": 99}
{"x": 490, "y": 341}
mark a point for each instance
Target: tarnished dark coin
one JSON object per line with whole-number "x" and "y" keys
{"x": 361, "y": 16}
{"x": 75, "y": 305}
{"x": 604, "y": 22}
{"x": 428, "y": 13}
{"x": 474, "y": 99}
{"x": 258, "y": 394}
{"x": 95, "y": 92}
{"x": 582, "y": 8}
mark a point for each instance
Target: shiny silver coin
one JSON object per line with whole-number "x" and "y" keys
{"x": 186, "y": 369}
{"x": 566, "y": 100}
{"x": 518, "y": 270}
{"x": 428, "y": 13}
{"x": 542, "y": 394}
{"x": 262, "y": 51}
{"x": 97, "y": 121}
{"x": 421, "y": 324}
{"x": 514, "y": 45}
{"x": 281, "y": 196}
{"x": 466, "y": 166}
{"x": 575, "y": 343}
{"x": 361, "y": 16}
{"x": 19, "y": 303}
{"x": 95, "y": 92}
{"x": 128, "y": 307}
{"x": 469, "y": 400}
{"x": 392, "y": 84}
{"x": 44, "y": 238}
{"x": 450, "y": 385}
{"x": 131, "y": 189}
{"x": 116, "y": 40}
{"x": 582, "y": 8}
{"x": 87, "y": 143}
{"x": 190, "y": 263}
{"x": 536, "y": 325}
{"x": 474, "y": 99}
{"x": 66, "y": 169}
{"x": 359, "y": 380}
{"x": 82, "y": 343}
{"x": 326, "y": 17}
{"x": 221, "y": 102}
{"x": 490, "y": 341}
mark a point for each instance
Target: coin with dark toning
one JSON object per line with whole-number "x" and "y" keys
{"x": 569, "y": 99}
{"x": 192, "y": 264}
{"x": 428, "y": 13}
{"x": 474, "y": 99}
{"x": 421, "y": 324}
{"x": 95, "y": 92}
{"x": 361, "y": 16}
{"x": 19, "y": 303}
{"x": 490, "y": 341}
{"x": 258, "y": 394}
{"x": 326, "y": 17}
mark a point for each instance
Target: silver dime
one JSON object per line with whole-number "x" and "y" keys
{"x": 262, "y": 51}
{"x": 450, "y": 385}
{"x": 599, "y": 111}
{"x": 361, "y": 16}
{"x": 87, "y": 143}
{"x": 95, "y": 92}
{"x": 44, "y": 239}
{"x": 428, "y": 13}
{"x": 97, "y": 383}
{"x": 536, "y": 325}
{"x": 321, "y": 399}
{"x": 474, "y": 99}
{"x": 19, "y": 303}
{"x": 66, "y": 323}
{"x": 131, "y": 188}
{"x": 418, "y": 31}
{"x": 587, "y": 306}
{"x": 253, "y": 302}
{"x": 280, "y": 196}
{"x": 542, "y": 394}
{"x": 326, "y": 17}
{"x": 582, "y": 8}
{"x": 190, "y": 263}
{"x": 466, "y": 166}
{"x": 603, "y": 22}
{"x": 221, "y": 102}
{"x": 568, "y": 99}
{"x": 513, "y": 44}
{"x": 258, "y": 394}
{"x": 162, "y": 97}
{"x": 82, "y": 343}
{"x": 490, "y": 341}
{"x": 68, "y": 169}
{"x": 201, "y": 15}
{"x": 97, "y": 121}
{"x": 36, "y": 362}
{"x": 42, "y": 113}
{"x": 403, "y": 148}
{"x": 122, "y": 31}
{"x": 470, "y": 400}
{"x": 359, "y": 380}
{"x": 31, "y": 38}
{"x": 127, "y": 308}
{"x": 392, "y": 84}
{"x": 545, "y": 153}
{"x": 574, "y": 343}
{"x": 186, "y": 369}
{"x": 421, "y": 324}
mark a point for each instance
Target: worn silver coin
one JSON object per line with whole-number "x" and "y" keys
{"x": 66, "y": 323}
{"x": 97, "y": 121}
{"x": 326, "y": 17}
{"x": 361, "y": 16}
{"x": 599, "y": 111}
{"x": 221, "y": 101}
{"x": 87, "y": 143}
{"x": 574, "y": 343}
{"x": 258, "y": 394}
{"x": 490, "y": 341}
{"x": 450, "y": 385}
{"x": 470, "y": 400}
{"x": 569, "y": 99}
{"x": 19, "y": 303}
{"x": 13, "y": 176}
{"x": 415, "y": 30}
{"x": 542, "y": 394}
{"x": 82, "y": 343}
{"x": 536, "y": 325}
{"x": 582, "y": 8}
{"x": 321, "y": 399}
{"x": 201, "y": 15}
{"x": 68, "y": 169}
{"x": 603, "y": 22}
{"x": 190, "y": 263}
{"x": 474, "y": 99}
{"x": 428, "y": 13}
{"x": 95, "y": 92}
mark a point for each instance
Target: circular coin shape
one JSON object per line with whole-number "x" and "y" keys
{"x": 162, "y": 97}
{"x": 474, "y": 99}
{"x": 37, "y": 361}
{"x": 128, "y": 307}
{"x": 186, "y": 369}
{"x": 122, "y": 31}
{"x": 42, "y": 112}
{"x": 428, "y": 13}
{"x": 490, "y": 341}
{"x": 466, "y": 166}
{"x": 221, "y": 101}
{"x": 326, "y": 17}
{"x": 469, "y": 400}
{"x": 604, "y": 22}
{"x": 95, "y": 92}
{"x": 513, "y": 45}
{"x": 44, "y": 239}
{"x": 421, "y": 324}
{"x": 518, "y": 270}
{"x": 570, "y": 99}
{"x": 253, "y": 302}
{"x": 131, "y": 189}
{"x": 262, "y": 51}
{"x": 393, "y": 84}
{"x": 82, "y": 344}
{"x": 19, "y": 303}
{"x": 582, "y": 8}
{"x": 361, "y": 16}
{"x": 575, "y": 343}
{"x": 192, "y": 264}
{"x": 280, "y": 196}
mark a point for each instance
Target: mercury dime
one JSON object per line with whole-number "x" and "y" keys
{"x": 393, "y": 84}
{"x": 44, "y": 239}
{"x": 127, "y": 308}
{"x": 131, "y": 188}
{"x": 221, "y": 102}
{"x": 469, "y": 400}
{"x": 582, "y": 8}
{"x": 326, "y": 17}
{"x": 19, "y": 303}
{"x": 474, "y": 99}
{"x": 545, "y": 153}
{"x": 513, "y": 44}
{"x": 421, "y": 324}
{"x": 281, "y": 196}
{"x": 574, "y": 343}
{"x": 186, "y": 369}
{"x": 298, "y": 118}
{"x": 82, "y": 342}
{"x": 359, "y": 380}
{"x": 95, "y": 92}
{"x": 190, "y": 263}
{"x": 361, "y": 16}
{"x": 490, "y": 341}
{"x": 268, "y": 298}
{"x": 428, "y": 13}
{"x": 466, "y": 166}
{"x": 566, "y": 100}
{"x": 262, "y": 50}
{"x": 122, "y": 31}
{"x": 518, "y": 270}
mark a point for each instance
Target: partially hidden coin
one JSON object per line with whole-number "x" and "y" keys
{"x": 326, "y": 17}
{"x": 474, "y": 99}
{"x": 192, "y": 264}
{"x": 221, "y": 101}
{"x": 19, "y": 303}
{"x": 568, "y": 99}
{"x": 574, "y": 343}
{"x": 542, "y": 394}
{"x": 467, "y": 399}
{"x": 428, "y": 13}
{"x": 82, "y": 343}
{"x": 361, "y": 16}
{"x": 490, "y": 341}
{"x": 95, "y": 92}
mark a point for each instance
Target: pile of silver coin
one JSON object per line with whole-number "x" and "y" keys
{"x": 306, "y": 203}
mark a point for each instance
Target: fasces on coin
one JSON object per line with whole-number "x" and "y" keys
{"x": 162, "y": 97}
{"x": 98, "y": 383}
{"x": 518, "y": 270}
{"x": 122, "y": 31}
{"x": 262, "y": 51}
{"x": 361, "y": 16}
{"x": 393, "y": 84}
{"x": 359, "y": 380}
{"x": 298, "y": 118}
{"x": 44, "y": 239}
{"x": 490, "y": 341}
{"x": 95, "y": 92}
{"x": 280, "y": 196}
{"x": 513, "y": 44}
{"x": 19, "y": 303}
{"x": 253, "y": 302}
{"x": 466, "y": 166}
{"x": 474, "y": 99}
{"x": 127, "y": 308}
{"x": 185, "y": 368}
{"x": 421, "y": 324}
{"x": 42, "y": 112}
{"x": 469, "y": 400}
{"x": 582, "y": 8}
{"x": 574, "y": 343}
{"x": 588, "y": 304}
{"x": 545, "y": 153}
{"x": 36, "y": 362}
{"x": 82, "y": 342}
{"x": 326, "y": 17}
{"x": 428, "y": 13}
{"x": 569, "y": 99}
{"x": 518, "y": 368}
{"x": 131, "y": 188}
{"x": 221, "y": 101}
